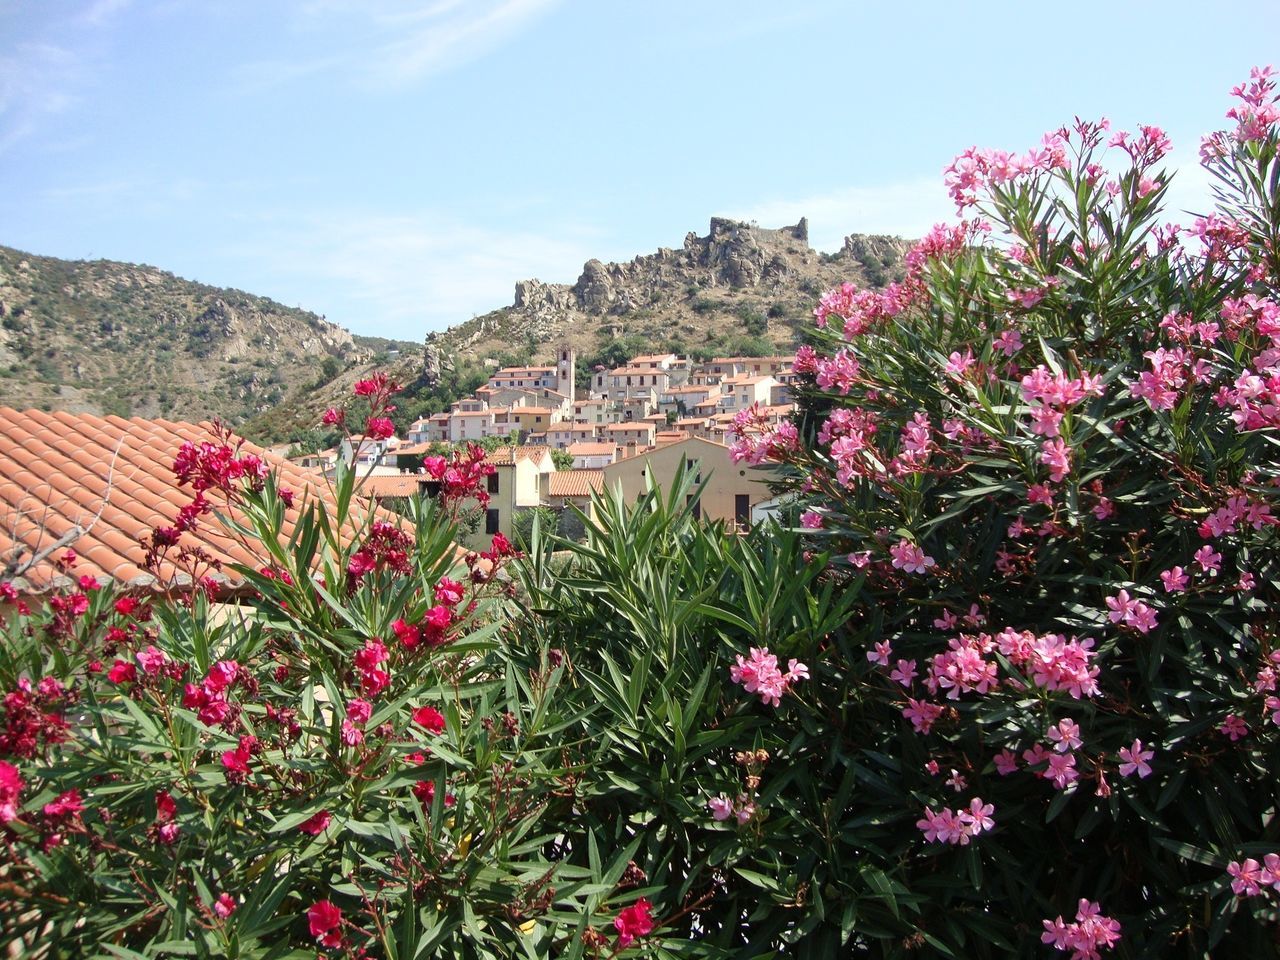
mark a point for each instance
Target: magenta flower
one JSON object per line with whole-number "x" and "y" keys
{"x": 1246, "y": 877}
{"x": 811, "y": 520}
{"x": 1090, "y": 932}
{"x": 881, "y": 654}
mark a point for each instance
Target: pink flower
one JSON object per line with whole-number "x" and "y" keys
{"x": 881, "y": 654}
{"x": 1065, "y": 736}
{"x": 1135, "y": 760}
{"x": 1006, "y": 762}
{"x": 745, "y": 809}
{"x": 1009, "y": 342}
{"x": 922, "y": 714}
{"x": 1090, "y": 933}
{"x": 959, "y": 364}
{"x": 811, "y": 520}
{"x": 1061, "y": 770}
{"x": 1056, "y": 455}
{"x": 721, "y": 808}
{"x": 151, "y": 660}
{"x": 760, "y": 674}
{"x": 904, "y": 673}
{"x": 1208, "y": 559}
{"x": 1233, "y": 727}
{"x": 1175, "y": 580}
{"x": 1246, "y": 877}
{"x": 909, "y": 558}
{"x": 635, "y": 921}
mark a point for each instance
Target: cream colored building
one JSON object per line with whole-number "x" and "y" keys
{"x": 519, "y": 482}
{"x": 731, "y": 488}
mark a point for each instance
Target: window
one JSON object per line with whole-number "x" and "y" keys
{"x": 491, "y": 522}
{"x": 697, "y": 505}
{"x": 493, "y": 486}
{"x": 742, "y": 508}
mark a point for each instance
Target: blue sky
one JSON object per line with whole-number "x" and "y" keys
{"x": 399, "y": 164}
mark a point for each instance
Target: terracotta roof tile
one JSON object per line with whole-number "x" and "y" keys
{"x": 507, "y": 455}
{"x": 574, "y": 483}
{"x": 113, "y": 479}
{"x": 586, "y": 448}
{"x": 404, "y": 485}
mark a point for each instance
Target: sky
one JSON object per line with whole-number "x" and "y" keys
{"x": 398, "y": 165}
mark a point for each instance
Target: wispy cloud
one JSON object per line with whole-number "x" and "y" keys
{"x": 36, "y": 82}
{"x": 389, "y": 44}
{"x": 413, "y": 273}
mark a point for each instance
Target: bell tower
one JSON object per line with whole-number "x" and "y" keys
{"x": 566, "y": 369}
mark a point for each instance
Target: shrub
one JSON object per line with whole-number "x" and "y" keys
{"x": 1048, "y": 457}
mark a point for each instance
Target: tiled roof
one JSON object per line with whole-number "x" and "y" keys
{"x": 507, "y": 455}
{"x": 586, "y": 448}
{"x": 405, "y": 485}
{"x": 413, "y": 450}
{"x": 632, "y": 425}
{"x": 574, "y": 483}
{"x": 112, "y": 478}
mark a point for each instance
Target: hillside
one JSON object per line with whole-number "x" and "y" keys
{"x": 741, "y": 289}
{"x": 106, "y": 337}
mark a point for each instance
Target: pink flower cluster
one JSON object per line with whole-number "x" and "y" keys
{"x": 909, "y": 558}
{"x": 1090, "y": 933}
{"x": 756, "y": 440}
{"x": 957, "y": 826}
{"x": 722, "y": 808}
{"x": 978, "y": 170}
{"x": 209, "y": 698}
{"x": 1123, "y": 609}
{"x": 1257, "y": 111}
{"x": 760, "y": 675}
{"x": 1248, "y": 877}
{"x": 860, "y": 309}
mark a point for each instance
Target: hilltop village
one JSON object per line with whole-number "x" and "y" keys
{"x": 636, "y": 424}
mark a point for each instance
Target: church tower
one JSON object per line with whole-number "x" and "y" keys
{"x": 566, "y": 370}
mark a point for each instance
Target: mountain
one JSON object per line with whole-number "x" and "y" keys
{"x": 741, "y": 289}
{"x": 105, "y": 337}
{"x": 741, "y": 285}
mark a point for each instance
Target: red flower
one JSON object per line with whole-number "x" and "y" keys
{"x": 430, "y": 718}
{"x": 166, "y": 806}
{"x": 326, "y": 923}
{"x": 379, "y": 428}
{"x": 68, "y": 806}
{"x": 333, "y": 417}
{"x": 126, "y": 606}
{"x": 316, "y": 824}
{"x": 635, "y": 921}
{"x": 224, "y": 906}
{"x": 89, "y": 583}
{"x": 236, "y": 761}
{"x": 122, "y": 672}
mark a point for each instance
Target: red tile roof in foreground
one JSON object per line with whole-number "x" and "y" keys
{"x": 113, "y": 478}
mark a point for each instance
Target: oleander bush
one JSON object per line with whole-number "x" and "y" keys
{"x": 1048, "y": 462}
